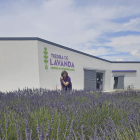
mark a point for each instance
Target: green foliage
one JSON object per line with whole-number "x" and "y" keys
{"x": 84, "y": 115}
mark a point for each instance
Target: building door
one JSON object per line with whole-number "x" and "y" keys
{"x": 121, "y": 82}
{"x": 99, "y": 82}
{"x": 90, "y": 79}
{"x": 115, "y": 82}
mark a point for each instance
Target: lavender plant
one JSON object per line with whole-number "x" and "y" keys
{"x": 42, "y": 114}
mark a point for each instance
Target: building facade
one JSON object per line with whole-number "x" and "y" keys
{"x": 35, "y": 62}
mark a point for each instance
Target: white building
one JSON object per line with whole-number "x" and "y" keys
{"x": 34, "y": 62}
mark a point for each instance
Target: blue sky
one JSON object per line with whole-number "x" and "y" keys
{"x": 104, "y": 28}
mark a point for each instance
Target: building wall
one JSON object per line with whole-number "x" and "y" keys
{"x": 18, "y": 65}
{"x": 22, "y": 65}
{"x": 130, "y": 77}
{"x": 49, "y": 77}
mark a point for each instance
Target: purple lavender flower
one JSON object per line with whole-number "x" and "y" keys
{"x": 6, "y": 123}
{"x": 52, "y": 118}
{"x": 133, "y": 128}
{"x": 71, "y": 131}
{"x": 27, "y": 132}
{"x": 41, "y": 133}
{"x": 67, "y": 124}
{"x": 17, "y": 130}
{"x": 83, "y": 136}
{"x": 112, "y": 125}
{"x": 95, "y": 132}
{"x": 48, "y": 128}
{"x": 1, "y": 129}
{"x": 31, "y": 134}
{"x": 37, "y": 126}
{"x": 58, "y": 127}
{"x": 75, "y": 137}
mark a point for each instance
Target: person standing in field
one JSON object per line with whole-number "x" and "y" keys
{"x": 65, "y": 81}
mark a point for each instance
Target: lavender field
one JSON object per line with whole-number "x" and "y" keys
{"x": 40, "y": 114}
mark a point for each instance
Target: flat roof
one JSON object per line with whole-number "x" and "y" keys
{"x": 124, "y": 70}
{"x": 61, "y": 46}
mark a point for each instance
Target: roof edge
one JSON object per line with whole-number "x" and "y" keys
{"x": 125, "y": 61}
{"x": 61, "y": 46}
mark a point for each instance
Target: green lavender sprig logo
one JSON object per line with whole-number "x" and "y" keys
{"x": 46, "y": 57}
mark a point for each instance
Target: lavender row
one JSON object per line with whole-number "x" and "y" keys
{"x": 41, "y": 114}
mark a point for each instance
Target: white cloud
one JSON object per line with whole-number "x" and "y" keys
{"x": 119, "y": 59}
{"x": 136, "y": 53}
{"x": 132, "y": 24}
{"x": 65, "y": 23}
{"x": 125, "y": 43}
{"x": 96, "y": 52}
